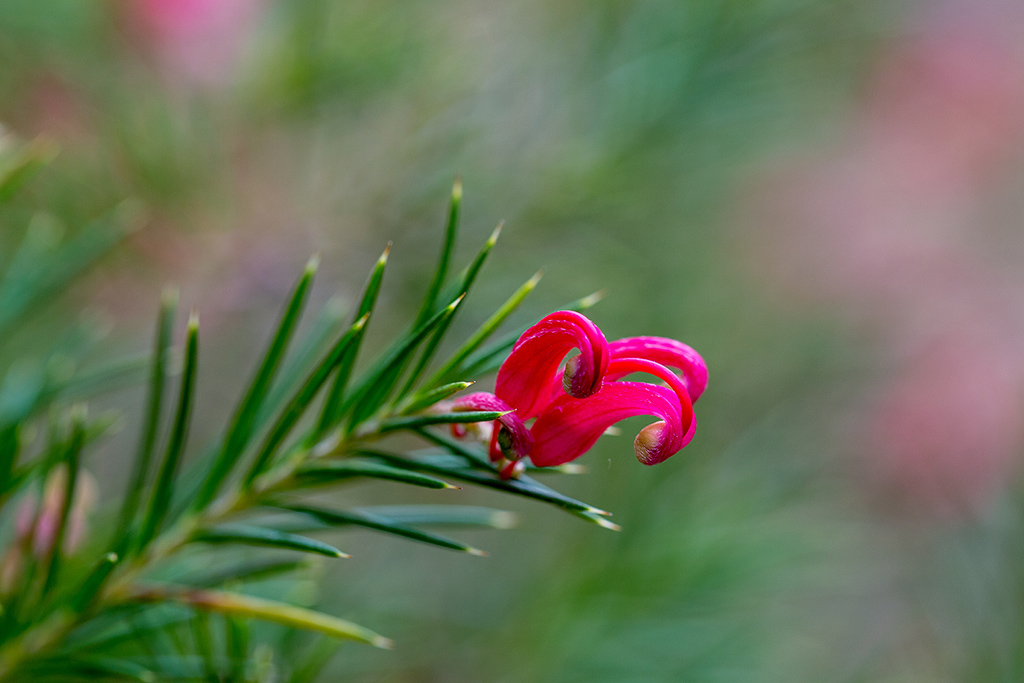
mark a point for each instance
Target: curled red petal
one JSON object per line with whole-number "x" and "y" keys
{"x": 510, "y": 440}
{"x": 525, "y": 379}
{"x": 668, "y": 352}
{"x": 569, "y": 427}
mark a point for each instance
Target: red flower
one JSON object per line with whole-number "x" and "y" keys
{"x": 576, "y": 403}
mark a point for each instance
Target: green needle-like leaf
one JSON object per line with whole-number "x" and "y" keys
{"x": 268, "y": 610}
{"x": 524, "y": 486}
{"x": 330, "y": 414}
{"x": 429, "y": 398}
{"x": 250, "y": 573}
{"x": 484, "y": 331}
{"x": 163, "y": 487}
{"x": 464, "y": 285}
{"x": 324, "y": 329}
{"x": 97, "y": 577}
{"x": 451, "y": 230}
{"x": 244, "y": 422}
{"x": 379, "y": 523}
{"x": 443, "y": 515}
{"x": 262, "y": 536}
{"x": 378, "y": 381}
{"x": 301, "y": 400}
{"x": 154, "y": 401}
{"x": 332, "y": 472}
{"x": 415, "y": 421}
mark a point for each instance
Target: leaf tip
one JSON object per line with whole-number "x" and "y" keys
{"x": 476, "y": 552}
{"x": 495, "y": 234}
{"x": 588, "y": 301}
{"x": 312, "y": 265}
{"x": 457, "y": 189}
{"x": 503, "y": 519}
{"x": 382, "y": 642}
{"x": 384, "y": 254}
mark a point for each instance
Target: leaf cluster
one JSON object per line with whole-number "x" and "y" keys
{"x": 129, "y": 602}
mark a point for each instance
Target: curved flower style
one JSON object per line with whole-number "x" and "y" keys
{"x": 668, "y": 352}
{"x": 523, "y": 378}
{"x": 574, "y": 407}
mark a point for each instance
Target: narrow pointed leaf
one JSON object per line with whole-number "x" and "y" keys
{"x": 524, "y": 486}
{"x": 154, "y": 402}
{"x": 443, "y": 515}
{"x": 380, "y": 523}
{"x": 379, "y": 380}
{"x": 333, "y": 472}
{"x": 324, "y": 329}
{"x": 416, "y": 421}
{"x": 426, "y": 399}
{"x": 244, "y": 534}
{"x": 244, "y": 422}
{"x": 463, "y": 287}
{"x": 484, "y": 331}
{"x": 268, "y": 610}
{"x": 250, "y": 573}
{"x": 163, "y": 487}
{"x": 301, "y": 400}
{"x": 330, "y": 414}
{"x": 451, "y": 230}
{"x": 94, "y": 582}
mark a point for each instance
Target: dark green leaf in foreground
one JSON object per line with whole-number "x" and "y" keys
{"x": 244, "y": 423}
{"x": 378, "y": 522}
{"x": 330, "y": 414}
{"x": 154, "y": 403}
{"x": 261, "y": 536}
{"x": 441, "y": 272}
{"x": 268, "y": 610}
{"x": 377, "y": 383}
{"x": 484, "y": 331}
{"x": 319, "y": 473}
{"x": 443, "y": 515}
{"x": 416, "y": 421}
{"x": 463, "y": 286}
{"x": 524, "y": 486}
{"x": 163, "y": 487}
{"x": 296, "y": 408}
{"x": 429, "y": 398}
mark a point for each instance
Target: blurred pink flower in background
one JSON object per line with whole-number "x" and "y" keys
{"x": 198, "y": 40}
{"x": 893, "y": 225}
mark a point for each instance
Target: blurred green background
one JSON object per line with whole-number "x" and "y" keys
{"x": 821, "y": 197}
